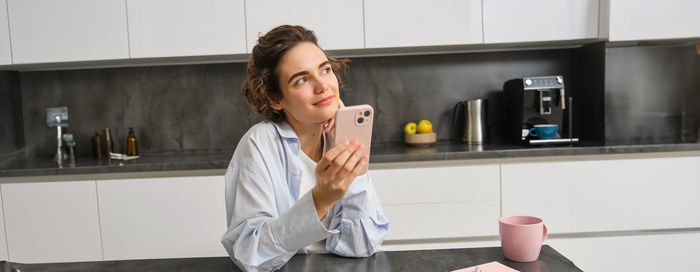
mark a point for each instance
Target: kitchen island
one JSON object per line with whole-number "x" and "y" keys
{"x": 414, "y": 260}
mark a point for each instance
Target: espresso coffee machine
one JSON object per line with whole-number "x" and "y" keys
{"x": 532, "y": 101}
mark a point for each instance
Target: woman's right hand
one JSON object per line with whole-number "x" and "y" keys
{"x": 335, "y": 172}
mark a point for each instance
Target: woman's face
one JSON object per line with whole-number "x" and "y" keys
{"x": 309, "y": 86}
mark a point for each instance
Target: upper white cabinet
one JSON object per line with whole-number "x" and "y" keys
{"x": 647, "y": 19}
{"x": 69, "y": 30}
{"x": 337, "y": 24}
{"x": 605, "y": 195}
{"x": 49, "y": 222}
{"x": 162, "y": 217}
{"x": 542, "y": 20}
{"x": 420, "y": 23}
{"x": 164, "y": 28}
{"x": 5, "y": 51}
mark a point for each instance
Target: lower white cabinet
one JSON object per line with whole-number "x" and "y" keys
{"x": 439, "y": 202}
{"x": 3, "y": 239}
{"x": 49, "y": 222}
{"x": 162, "y": 217}
{"x": 668, "y": 252}
{"x": 605, "y": 195}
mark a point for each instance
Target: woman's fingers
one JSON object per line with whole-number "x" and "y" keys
{"x": 339, "y": 161}
{"x": 360, "y": 167}
{"x": 331, "y": 154}
{"x": 329, "y": 125}
{"x": 350, "y": 163}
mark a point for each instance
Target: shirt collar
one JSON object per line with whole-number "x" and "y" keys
{"x": 285, "y": 130}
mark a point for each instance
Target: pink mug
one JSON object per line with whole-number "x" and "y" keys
{"x": 522, "y": 237}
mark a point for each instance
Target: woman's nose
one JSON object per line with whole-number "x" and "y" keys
{"x": 321, "y": 86}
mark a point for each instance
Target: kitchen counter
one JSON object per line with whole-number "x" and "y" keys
{"x": 441, "y": 151}
{"x": 415, "y": 260}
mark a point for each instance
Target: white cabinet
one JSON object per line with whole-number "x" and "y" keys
{"x": 605, "y": 195}
{"x": 673, "y": 252}
{"x": 648, "y": 19}
{"x": 73, "y": 30}
{"x": 439, "y": 202}
{"x": 162, "y": 217}
{"x": 3, "y": 239}
{"x": 543, "y": 20}
{"x": 420, "y": 23}
{"x": 5, "y": 51}
{"x": 48, "y": 222}
{"x": 337, "y": 24}
{"x": 164, "y": 28}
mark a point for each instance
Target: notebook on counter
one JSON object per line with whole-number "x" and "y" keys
{"x": 488, "y": 267}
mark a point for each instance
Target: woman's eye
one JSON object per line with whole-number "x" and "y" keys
{"x": 326, "y": 70}
{"x": 302, "y": 80}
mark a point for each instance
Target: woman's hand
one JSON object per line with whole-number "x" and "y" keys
{"x": 329, "y": 126}
{"x": 335, "y": 172}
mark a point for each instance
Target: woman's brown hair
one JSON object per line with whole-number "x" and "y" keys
{"x": 261, "y": 85}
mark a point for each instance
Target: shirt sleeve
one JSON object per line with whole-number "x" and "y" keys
{"x": 258, "y": 238}
{"x": 360, "y": 222}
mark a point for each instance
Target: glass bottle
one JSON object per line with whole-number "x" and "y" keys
{"x": 132, "y": 147}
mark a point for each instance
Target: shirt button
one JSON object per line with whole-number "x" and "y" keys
{"x": 343, "y": 237}
{"x": 296, "y": 145}
{"x": 345, "y": 209}
{"x": 296, "y": 172}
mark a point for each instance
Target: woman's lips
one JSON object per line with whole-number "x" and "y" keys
{"x": 324, "y": 101}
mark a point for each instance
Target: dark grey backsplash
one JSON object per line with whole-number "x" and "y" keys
{"x": 412, "y": 88}
{"x": 199, "y": 107}
{"x": 652, "y": 95}
{"x": 171, "y": 108}
{"x": 11, "y": 133}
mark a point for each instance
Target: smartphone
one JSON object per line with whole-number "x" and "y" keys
{"x": 354, "y": 123}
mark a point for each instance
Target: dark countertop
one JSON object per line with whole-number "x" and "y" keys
{"x": 414, "y": 260}
{"x": 380, "y": 154}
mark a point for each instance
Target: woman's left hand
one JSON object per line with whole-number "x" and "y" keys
{"x": 329, "y": 126}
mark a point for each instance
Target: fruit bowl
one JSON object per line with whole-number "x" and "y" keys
{"x": 420, "y": 139}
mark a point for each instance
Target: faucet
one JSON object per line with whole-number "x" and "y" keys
{"x": 59, "y": 141}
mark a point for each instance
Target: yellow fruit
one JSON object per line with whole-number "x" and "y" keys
{"x": 424, "y": 126}
{"x": 410, "y": 128}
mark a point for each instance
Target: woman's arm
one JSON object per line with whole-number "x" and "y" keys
{"x": 359, "y": 218}
{"x": 258, "y": 238}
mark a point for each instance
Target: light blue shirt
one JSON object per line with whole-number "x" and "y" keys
{"x": 268, "y": 222}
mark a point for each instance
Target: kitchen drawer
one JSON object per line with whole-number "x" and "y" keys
{"x": 162, "y": 217}
{"x": 669, "y": 252}
{"x": 3, "y": 244}
{"x": 439, "y": 202}
{"x": 49, "y": 222}
{"x": 605, "y": 195}
{"x": 442, "y": 220}
{"x": 437, "y": 184}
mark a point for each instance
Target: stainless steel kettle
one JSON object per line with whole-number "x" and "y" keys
{"x": 475, "y": 125}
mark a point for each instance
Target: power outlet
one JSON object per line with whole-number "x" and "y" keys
{"x": 61, "y": 112}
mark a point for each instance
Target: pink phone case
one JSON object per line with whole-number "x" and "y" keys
{"x": 354, "y": 123}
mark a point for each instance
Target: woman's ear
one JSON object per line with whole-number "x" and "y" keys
{"x": 276, "y": 105}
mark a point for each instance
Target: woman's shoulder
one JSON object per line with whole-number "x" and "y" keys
{"x": 261, "y": 132}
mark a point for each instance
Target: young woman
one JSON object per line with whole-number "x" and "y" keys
{"x": 287, "y": 191}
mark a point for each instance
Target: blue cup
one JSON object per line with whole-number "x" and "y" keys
{"x": 544, "y": 131}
